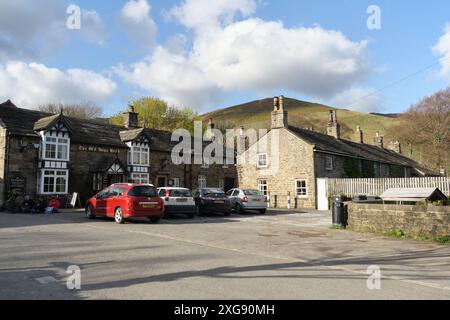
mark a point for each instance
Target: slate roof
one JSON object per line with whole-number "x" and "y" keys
{"x": 326, "y": 143}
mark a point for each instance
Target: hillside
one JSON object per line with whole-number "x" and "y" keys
{"x": 256, "y": 114}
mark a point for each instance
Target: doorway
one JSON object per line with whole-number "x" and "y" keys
{"x": 161, "y": 181}
{"x": 115, "y": 178}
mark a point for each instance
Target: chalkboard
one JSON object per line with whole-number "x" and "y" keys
{"x": 17, "y": 183}
{"x": 73, "y": 199}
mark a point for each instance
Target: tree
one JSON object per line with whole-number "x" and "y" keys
{"x": 82, "y": 111}
{"x": 426, "y": 126}
{"x": 158, "y": 114}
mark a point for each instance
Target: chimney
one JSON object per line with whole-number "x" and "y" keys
{"x": 333, "y": 127}
{"x": 378, "y": 140}
{"x": 359, "y": 136}
{"x": 243, "y": 141}
{"x": 395, "y": 146}
{"x": 279, "y": 114}
{"x": 130, "y": 118}
{"x": 209, "y": 133}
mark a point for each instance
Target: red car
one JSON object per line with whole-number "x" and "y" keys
{"x": 126, "y": 200}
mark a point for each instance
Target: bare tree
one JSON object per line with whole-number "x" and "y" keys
{"x": 82, "y": 110}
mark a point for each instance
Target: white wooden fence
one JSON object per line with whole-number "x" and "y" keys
{"x": 376, "y": 186}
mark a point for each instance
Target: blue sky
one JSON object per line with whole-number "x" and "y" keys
{"x": 320, "y": 51}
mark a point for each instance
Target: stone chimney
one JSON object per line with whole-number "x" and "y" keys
{"x": 378, "y": 140}
{"x": 395, "y": 146}
{"x": 279, "y": 114}
{"x": 333, "y": 127}
{"x": 130, "y": 118}
{"x": 359, "y": 136}
{"x": 209, "y": 133}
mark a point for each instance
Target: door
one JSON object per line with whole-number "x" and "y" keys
{"x": 228, "y": 184}
{"x": 322, "y": 194}
{"x": 161, "y": 181}
{"x": 115, "y": 178}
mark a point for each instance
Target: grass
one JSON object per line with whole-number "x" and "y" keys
{"x": 337, "y": 227}
{"x": 400, "y": 234}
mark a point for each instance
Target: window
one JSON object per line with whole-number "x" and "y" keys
{"x": 54, "y": 182}
{"x": 140, "y": 156}
{"x": 221, "y": 183}
{"x": 176, "y": 182}
{"x": 140, "y": 178}
{"x": 97, "y": 181}
{"x": 329, "y": 163}
{"x": 262, "y": 160}
{"x": 202, "y": 181}
{"x": 301, "y": 188}
{"x": 262, "y": 187}
{"x": 143, "y": 191}
{"x": 56, "y": 148}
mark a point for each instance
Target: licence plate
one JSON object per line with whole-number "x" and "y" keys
{"x": 219, "y": 201}
{"x": 256, "y": 200}
{"x": 182, "y": 200}
{"x": 149, "y": 206}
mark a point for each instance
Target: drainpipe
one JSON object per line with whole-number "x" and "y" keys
{"x": 6, "y": 168}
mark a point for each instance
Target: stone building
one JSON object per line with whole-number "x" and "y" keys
{"x": 55, "y": 155}
{"x": 288, "y": 160}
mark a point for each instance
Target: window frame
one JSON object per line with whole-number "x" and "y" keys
{"x": 296, "y": 188}
{"x": 138, "y": 178}
{"x": 137, "y": 155}
{"x": 201, "y": 178}
{"x": 266, "y": 184}
{"x": 329, "y": 163}
{"x": 45, "y": 173}
{"x": 56, "y": 143}
{"x": 258, "y": 160}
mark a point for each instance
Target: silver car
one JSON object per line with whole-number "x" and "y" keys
{"x": 247, "y": 199}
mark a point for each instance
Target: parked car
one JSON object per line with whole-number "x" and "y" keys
{"x": 211, "y": 200}
{"x": 247, "y": 199}
{"x": 177, "y": 200}
{"x": 126, "y": 200}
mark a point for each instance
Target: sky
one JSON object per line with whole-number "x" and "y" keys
{"x": 370, "y": 56}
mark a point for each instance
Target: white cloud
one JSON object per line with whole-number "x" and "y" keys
{"x": 137, "y": 22}
{"x": 33, "y": 84}
{"x": 30, "y": 30}
{"x": 442, "y": 49}
{"x": 205, "y": 15}
{"x": 358, "y": 99}
{"x": 252, "y": 55}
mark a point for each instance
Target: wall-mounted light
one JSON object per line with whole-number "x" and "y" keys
{"x": 23, "y": 144}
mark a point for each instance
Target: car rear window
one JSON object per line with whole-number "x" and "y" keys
{"x": 180, "y": 193}
{"x": 251, "y": 192}
{"x": 143, "y": 191}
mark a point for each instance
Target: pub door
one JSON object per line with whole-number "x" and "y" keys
{"x": 228, "y": 184}
{"x": 161, "y": 181}
{"x": 115, "y": 178}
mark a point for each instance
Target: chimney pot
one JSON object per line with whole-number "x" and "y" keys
{"x": 275, "y": 103}
{"x": 359, "y": 136}
{"x": 333, "y": 128}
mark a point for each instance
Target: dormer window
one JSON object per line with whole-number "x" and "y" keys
{"x": 56, "y": 148}
{"x": 140, "y": 156}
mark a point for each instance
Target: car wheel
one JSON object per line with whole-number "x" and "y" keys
{"x": 227, "y": 213}
{"x": 263, "y": 211}
{"x": 118, "y": 216}
{"x": 90, "y": 212}
{"x": 154, "y": 219}
{"x": 238, "y": 208}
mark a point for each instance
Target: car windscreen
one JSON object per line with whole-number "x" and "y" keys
{"x": 143, "y": 191}
{"x": 251, "y": 192}
{"x": 214, "y": 192}
{"x": 180, "y": 193}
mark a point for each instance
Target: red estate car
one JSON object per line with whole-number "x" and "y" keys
{"x": 126, "y": 200}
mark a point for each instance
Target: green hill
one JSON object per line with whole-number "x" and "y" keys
{"x": 256, "y": 114}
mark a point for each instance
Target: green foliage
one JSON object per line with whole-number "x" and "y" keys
{"x": 444, "y": 239}
{"x": 396, "y": 171}
{"x": 367, "y": 169}
{"x": 351, "y": 168}
{"x": 396, "y": 234}
{"x": 158, "y": 114}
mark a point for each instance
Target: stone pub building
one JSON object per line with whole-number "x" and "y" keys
{"x": 55, "y": 155}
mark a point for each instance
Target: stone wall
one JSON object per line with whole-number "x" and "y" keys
{"x": 429, "y": 221}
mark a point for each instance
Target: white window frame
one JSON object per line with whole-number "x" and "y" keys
{"x": 48, "y": 141}
{"x": 176, "y": 182}
{"x": 140, "y": 178}
{"x": 142, "y": 153}
{"x": 55, "y": 174}
{"x": 329, "y": 163}
{"x": 201, "y": 181}
{"x": 296, "y": 188}
{"x": 260, "y": 186}
{"x": 258, "y": 160}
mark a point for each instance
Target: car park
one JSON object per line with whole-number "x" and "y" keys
{"x": 211, "y": 200}
{"x": 177, "y": 200}
{"x": 125, "y": 200}
{"x": 247, "y": 199}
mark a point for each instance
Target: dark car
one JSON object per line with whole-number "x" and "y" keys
{"x": 211, "y": 200}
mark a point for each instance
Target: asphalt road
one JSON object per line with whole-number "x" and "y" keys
{"x": 282, "y": 255}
